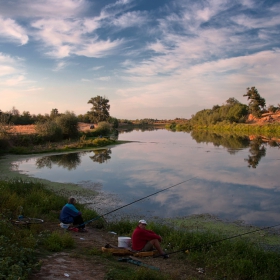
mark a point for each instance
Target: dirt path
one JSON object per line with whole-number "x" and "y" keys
{"x": 74, "y": 265}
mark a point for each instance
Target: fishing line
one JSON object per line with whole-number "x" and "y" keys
{"x": 98, "y": 217}
{"x": 220, "y": 240}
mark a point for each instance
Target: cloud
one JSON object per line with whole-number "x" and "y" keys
{"x": 96, "y": 68}
{"x": 43, "y": 8}
{"x": 135, "y": 18}
{"x": 104, "y": 78}
{"x": 95, "y": 48}
{"x": 60, "y": 65}
{"x": 11, "y": 30}
{"x": 71, "y": 37}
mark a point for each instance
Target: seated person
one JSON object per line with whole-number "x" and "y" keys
{"x": 70, "y": 214}
{"x": 145, "y": 240}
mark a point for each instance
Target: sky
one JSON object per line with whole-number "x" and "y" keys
{"x": 160, "y": 59}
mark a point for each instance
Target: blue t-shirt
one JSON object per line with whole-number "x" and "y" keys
{"x": 68, "y": 212}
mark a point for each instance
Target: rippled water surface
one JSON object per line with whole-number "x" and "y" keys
{"x": 233, "y": 178}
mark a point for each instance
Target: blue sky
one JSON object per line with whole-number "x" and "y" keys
{"x": 151, "y": 58}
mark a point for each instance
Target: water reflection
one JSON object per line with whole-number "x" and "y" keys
{"x": 155, "y": 160}
{"x": 257, "y": 151}
{"x": 232, "y": 142}
{"x": 69, "y": 161}
{"x": 101, "y": 156}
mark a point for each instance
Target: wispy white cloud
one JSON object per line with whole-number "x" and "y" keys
{"x": 108, "y": 78}
{"x": 131, "y": 19}
{"x": 95, "y": 48}
{"x": 42, "y": 8}
{"x": 96, "y": 68}
{"x": 60, "y": 65}
{"x": 10, "y": 30}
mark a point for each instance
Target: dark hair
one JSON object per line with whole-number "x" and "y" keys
{"x": 72, "y": 200}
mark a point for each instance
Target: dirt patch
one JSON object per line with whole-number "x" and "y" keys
{"x": 75, "y": 265}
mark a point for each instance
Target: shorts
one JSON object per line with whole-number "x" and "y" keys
{"x": 147, "y": 247}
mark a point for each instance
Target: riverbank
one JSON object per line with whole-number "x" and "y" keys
{"x": 200, "y": 246}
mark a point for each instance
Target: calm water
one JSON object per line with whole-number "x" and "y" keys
{"x": 236, "y": 179}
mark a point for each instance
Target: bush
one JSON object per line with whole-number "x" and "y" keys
{"x": 56, "y": 241}
{"x": 50, "y": 130}
{"x": 68, "y": 123}
{"x": 103, "y": 128}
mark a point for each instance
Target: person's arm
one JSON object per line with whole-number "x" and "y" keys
{"x": 149, "y": 234}
{"x": 72, "y": 210}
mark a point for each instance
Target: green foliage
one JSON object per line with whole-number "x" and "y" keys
{"x": 68, "y": 123}
{"x": 114, "y": 122}
{"x": 272, "y": 109}
{"x": 54, "y": 114}
{"x": 237, "y": 258}
{"x": 100, "y": 109}
{"x": 19, "y": 245}
{"x": 104, "y": 128}
{"x": 50, "y": 130}
{"x": 232, "y": 112}
{"x": 56, "y": 241}
{"x": 125, "y": 273}
{"x": 122, "y": 227}
{"x": 257, "y": 103}
{"x": 5, "y": 125}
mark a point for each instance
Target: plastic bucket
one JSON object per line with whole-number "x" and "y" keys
{"x": 124, "y": 242}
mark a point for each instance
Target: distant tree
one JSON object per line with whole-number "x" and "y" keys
{"x": 84, "y": 118}
{"x": 257, "y": 103}
{"x": 114, "y": 122}
{"x": 5, "y": 125}
{"x": 215, "y": 107}
{"x": 100, "y": 109}
{"x": 68, "y": 122}
{"x": 49, "y": 129}
{"x": 26, "y": 118}
{"x": 54, "y": 113}
{"x": 272, "y": 109}
{"x": 232, "y": 101}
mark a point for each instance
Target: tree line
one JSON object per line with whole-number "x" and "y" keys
{"x": 233, "y": 111}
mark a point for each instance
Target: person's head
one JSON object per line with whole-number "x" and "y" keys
{"x": 72, "y": 200}
{"x": 142, "y": 224}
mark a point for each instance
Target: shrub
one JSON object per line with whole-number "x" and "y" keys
{"x": 49, "y": 130}
{"x": 68, "y": 123}
{"x": 56, "y": 241}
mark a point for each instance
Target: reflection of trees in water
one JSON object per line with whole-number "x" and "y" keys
{"x": 101, "y": 156}
{"x": 69, "y": 161}
{"x": 138, "y": 128}
{"x": 114, "y": 135}
{"x": 257, "y": 151}
{"x": 232, "y": 142}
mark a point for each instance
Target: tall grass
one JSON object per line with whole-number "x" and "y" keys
{"x": 19, "y": 246}
{"x": 235, "y": 258}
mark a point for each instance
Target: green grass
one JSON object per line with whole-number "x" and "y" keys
{"x": 19, "y": 245}
{"x": 241, "y": 257}
{"x": 208, "y": 241}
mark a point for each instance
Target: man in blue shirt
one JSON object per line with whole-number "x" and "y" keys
{"x": 70, "y": 214}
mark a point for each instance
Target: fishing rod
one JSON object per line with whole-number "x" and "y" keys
{"x": 186, "y": 250}
{"x": 98, "y": 217}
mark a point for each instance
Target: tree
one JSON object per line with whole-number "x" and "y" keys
{"x": 114, "y": 122}
{"x": 100, "y": 109}
{"x": 54, "y": 113}
{"x": 232, "y": 101}
{"x": 68, "y": 122}
{"x": 256, "y": 102}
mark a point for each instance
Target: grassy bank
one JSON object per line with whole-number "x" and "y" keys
{"x": 266, "y": 129}
{"x": 251, "y": 256}
{"x": 20, "y": 246}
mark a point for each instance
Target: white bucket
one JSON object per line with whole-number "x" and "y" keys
{"x": 124, "y": 242}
